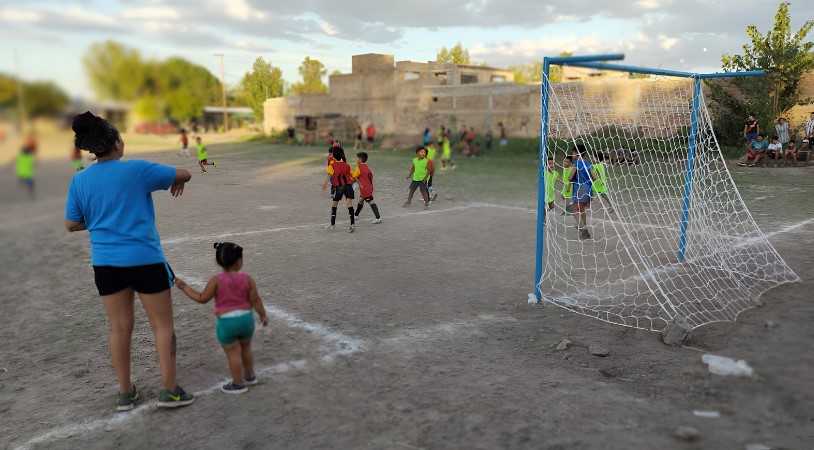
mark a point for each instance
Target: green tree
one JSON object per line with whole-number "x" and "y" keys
{"x": 336, "y": 72}
{"x": 264, "y": 81}
{"x": 311, "y": 71}
{"x": 533, "y": 72}
{"x": 786, "y": 58}
{"x": 115, "y": 72}
{"x": 457, "y": 54}
{"x": 44, "y": 98}
{"x": 185, "y": 87}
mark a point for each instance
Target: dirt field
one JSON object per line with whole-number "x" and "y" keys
{"x": 410, "y": 334}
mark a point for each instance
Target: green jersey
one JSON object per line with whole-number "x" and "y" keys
{"x": 201, "y": 152}
{"x": 600, "y": 185}
{"x": 550, "y": 179}
{"x": 25, "y": 166}
{"x": 568, "y": 188}
{"x": 420, "y": 169}
{"x": 447, "y": 149}
{"x": 431, "y": 152}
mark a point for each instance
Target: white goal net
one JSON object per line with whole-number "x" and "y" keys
{"x": 629, "y": 271}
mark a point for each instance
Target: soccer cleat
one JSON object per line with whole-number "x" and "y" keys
{"x": 214, "y": 164}
{"x": 406, "y": 205}
{"x": 351, "y": 228}
{"x": 377, "y": 220}
{"x": 232, "y": 388}
{"x": 175, "y": 399}
{"x": 126, "y": 402}
{"x": 330, "y": 227}
{"x": 250, "y": 379}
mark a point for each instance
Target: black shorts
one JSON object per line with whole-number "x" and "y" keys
{"x": 421, "y": 185}
{"x": 366, "y": 199}
{"x": 346, "y": 191}
{"x": 149, "y": 279}
{"x": 370, "y": 139}
{"x": 429, "y": 182}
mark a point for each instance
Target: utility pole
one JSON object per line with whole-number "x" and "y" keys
{"x": 223, "y": 88}
{"x": 20, "y": 101}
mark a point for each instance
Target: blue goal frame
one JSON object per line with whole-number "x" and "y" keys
{"x": 598, "y": 62}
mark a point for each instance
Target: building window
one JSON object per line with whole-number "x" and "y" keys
{"x": 441, "y": 76}
{"x": 498, "y": 79}
{"x": 469, "y": 78}
{"x": 411, "y": 75}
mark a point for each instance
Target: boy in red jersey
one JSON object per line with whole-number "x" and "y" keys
{"x": 340, "y": 177}
{"x": 364, "y": 177}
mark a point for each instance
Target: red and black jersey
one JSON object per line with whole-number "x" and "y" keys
{"x": 365, "y": 179}
{"x": 341, "y": 174}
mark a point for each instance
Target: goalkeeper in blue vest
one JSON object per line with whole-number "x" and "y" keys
{"x": 420, "y": 171}
{"x": 582, "y": 179}
{"x": 600, "y": 176}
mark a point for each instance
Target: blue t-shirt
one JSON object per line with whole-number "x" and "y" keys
{"x": 114, "y": 199}
{"x": 759, "y": 146}
{"x": 583, "y": 176}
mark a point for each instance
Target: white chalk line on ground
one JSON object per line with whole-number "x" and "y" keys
{"x": 344, "y": 346}
{"x": 183, "y": 239}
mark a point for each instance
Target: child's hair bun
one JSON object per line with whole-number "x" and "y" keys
{"x": 217, "y": 245}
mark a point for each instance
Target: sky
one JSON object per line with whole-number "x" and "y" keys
{"x": 50, "y": 37}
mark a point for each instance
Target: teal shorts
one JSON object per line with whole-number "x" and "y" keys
{"x": 231, "y": 329}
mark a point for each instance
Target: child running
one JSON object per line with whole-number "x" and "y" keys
{"x": 364, "y": 176}
{"x": 600, "y": 186}
{"x": 25, "y": 168}
{"x": 76, "y": 159}
{"x": 568, "y": 188}
{"x": 235, "y": 295}
{"x": 184, "y": 143}
{"x": 340, "y": 177}
{"x": 420, "y": 170}
{"x": 203, "y": 159}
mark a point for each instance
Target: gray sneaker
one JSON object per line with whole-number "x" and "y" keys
{"x": 330, "y": 227}
{"x": 351, "y": 228}
{"x": 377, "y": 221}
{"x": 406, "y": 205}
{"x": 232, "y": 388}
{"x": 178, "y": 398}
{"x": 426, "y": 206}
{"x": 126, "y": 402}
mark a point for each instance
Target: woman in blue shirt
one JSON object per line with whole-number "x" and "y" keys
{"x": 112, "y": 199}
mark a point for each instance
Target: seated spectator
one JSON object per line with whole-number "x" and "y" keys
{"x": 755, "y": 150}
{"x": 791, "y": 151}
{"x": 775, "y": 150}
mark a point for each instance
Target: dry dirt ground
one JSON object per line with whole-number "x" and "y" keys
{"x": 411, "y": 334}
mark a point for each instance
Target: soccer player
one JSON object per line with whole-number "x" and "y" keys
{"x": 331, "y": 160}
{"x": 340, "y": 177}
{"x": 551, "y": 177}
{"x": 364, "y": 176}
{"x": 420, "y": 170}
{"x": 431, "y": 156}
{"x": 76, "y": 159}
{"x": 568, "y": 188}
{"x": 582, "y": 179}
{"x": 25, "y": 168}
{"x": 203, "y": 159}
{"x": 600, "y": 186}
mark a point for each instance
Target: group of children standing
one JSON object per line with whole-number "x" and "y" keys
{"x": 581, "y": 182}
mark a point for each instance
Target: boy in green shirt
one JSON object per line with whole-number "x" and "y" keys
{"x": 25, "y": 168}
{"x": 421, "y": 169}
{"x": 202, "y": 156}
{"x": 568, "y": 188}
{"x": 446, "y": 155}
{"x": 600, "y": 185}
{"x": 550, "y": 178}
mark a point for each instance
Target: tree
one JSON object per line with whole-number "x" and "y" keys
{"x": 336, "y": 72}
{"x": 44, "y": 98}
{"x": 533, "y": 72}
{"x": 457, "y": 55}
{"x": 115, "y": 72}
{"x": 785, "y": 58}
{"x": 312, "y": 72}
{"x": 264, "y": 81}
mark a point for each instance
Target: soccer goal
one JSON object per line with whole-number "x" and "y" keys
{"x": 666, "y": 232}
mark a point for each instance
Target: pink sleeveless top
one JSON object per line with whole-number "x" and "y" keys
{"x": 233, "y": 292}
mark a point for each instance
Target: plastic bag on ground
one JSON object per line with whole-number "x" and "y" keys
{"x": 722, "y": 365}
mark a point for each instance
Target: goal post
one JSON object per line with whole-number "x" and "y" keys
{"x": 668, "y": 207}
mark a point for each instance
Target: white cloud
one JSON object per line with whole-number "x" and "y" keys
{"x": 18, "y": 15}
{"x": 667, "y": 42}
{"x": 239, "y": 9}
{"x": 85, "y": 17}
{"x": 152, "y": 13}
{"x": 327, "y": 28}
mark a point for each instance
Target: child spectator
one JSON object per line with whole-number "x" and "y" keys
{"x": 600, "y": 185}
{"x": 775, "y": 150}
{"x": 446, "y": 154}
{"x": 504, "y": 138}
{"x": 568, "y": 188}
{"x": 235, "y": 295}
{"x": 791, "y": 151}
{"x": 755, "y": 150}
{"x": 487, "y": 148}
{"x": 184, "y": 143}
{"x": 371, "y": 136}
{"x": 751, "y": 129}
{"x": 782, "y": 130}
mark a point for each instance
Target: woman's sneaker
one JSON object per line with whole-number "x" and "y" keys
{"x": 232, "y": 388}
{"x": 126, "y": 402}
{"x": 175, "y": 399}
{"x": 250, "y": 379}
